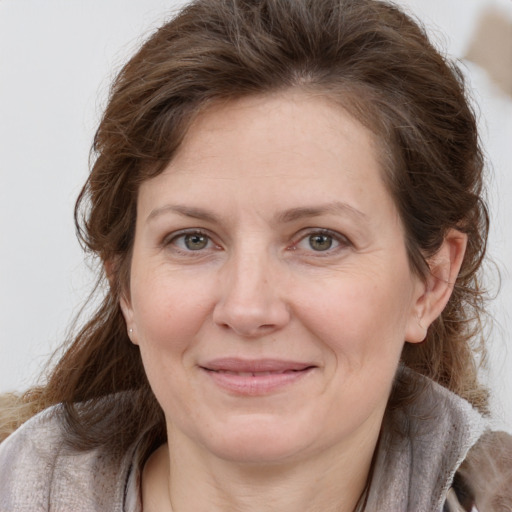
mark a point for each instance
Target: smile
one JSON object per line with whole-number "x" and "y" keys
{"x": 255, "y": 377}
{"x": 254, "y": 374}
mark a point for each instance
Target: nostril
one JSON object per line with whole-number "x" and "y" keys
{"x": 248, "y": 330}
{"x": 254, "y": 316}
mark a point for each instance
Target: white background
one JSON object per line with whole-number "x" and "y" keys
{"x": 57, "y": 59}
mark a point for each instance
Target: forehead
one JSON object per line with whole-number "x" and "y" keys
{"x": 285, "y": 147}
{"x": 295, "y": 124}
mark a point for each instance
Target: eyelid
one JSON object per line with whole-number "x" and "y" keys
{"x": 341, "y": 239}
{"x": 171, "y": 237}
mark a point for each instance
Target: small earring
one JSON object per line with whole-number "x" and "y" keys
{"x": 130, "y": 331}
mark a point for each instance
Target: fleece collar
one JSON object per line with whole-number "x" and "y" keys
{"x": 421, "y": 447}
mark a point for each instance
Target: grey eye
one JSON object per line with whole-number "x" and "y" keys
{"x": 320, "y": 242}
{"x": 195, "y": 241}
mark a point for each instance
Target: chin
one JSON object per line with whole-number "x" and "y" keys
{"x": 262, "y": 451}
{"x": 259, "y": 442}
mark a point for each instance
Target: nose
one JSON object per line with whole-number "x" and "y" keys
{"x": 251, "y": 300}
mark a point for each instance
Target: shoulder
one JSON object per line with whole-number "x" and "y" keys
{"x": 474, "y": 460}
{"x": 437, "y": 453}
{"x": 28, "y": 456}
{"x": 38, "y": 469}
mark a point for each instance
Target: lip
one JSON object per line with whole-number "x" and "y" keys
{"x": 255, "y": 377}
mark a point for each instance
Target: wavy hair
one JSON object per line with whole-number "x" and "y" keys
{"x": 366, "y": 55}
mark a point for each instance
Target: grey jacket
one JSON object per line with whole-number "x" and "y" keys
{"x": 412, "y": 473}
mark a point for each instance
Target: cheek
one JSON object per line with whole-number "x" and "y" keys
{"x": 360, "y": 319}
{"x": 167, "y": 313}
{"x": 168, "y": 322}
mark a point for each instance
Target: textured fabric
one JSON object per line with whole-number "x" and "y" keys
{"x": 484, "y": 480}
{"x": 419, "y": 451}
{"x": 453, "y": 504}
{"x": 37, "y": 472}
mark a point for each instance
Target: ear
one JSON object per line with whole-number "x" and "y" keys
{"x": 124, "y": 299}
{"x": 127, "y": 310}
{"x": 437, "y": 287}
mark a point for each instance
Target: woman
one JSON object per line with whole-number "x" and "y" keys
{"x": 286, "y": 200}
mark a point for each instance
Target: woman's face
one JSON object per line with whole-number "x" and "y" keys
{"x": 270, "y": 290}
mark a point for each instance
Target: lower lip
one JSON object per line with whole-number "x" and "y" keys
{"x": 256, "y": 385}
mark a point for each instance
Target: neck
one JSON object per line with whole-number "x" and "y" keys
{"x": 183, "y": 478}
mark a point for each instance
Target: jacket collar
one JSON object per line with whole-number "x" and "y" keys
{"x": 421, "y": 447}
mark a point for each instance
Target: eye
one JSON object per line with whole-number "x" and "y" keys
{"x": 195, "y": 241}
{"x": 322, "y": 241}
{"x": 190, "y": 241}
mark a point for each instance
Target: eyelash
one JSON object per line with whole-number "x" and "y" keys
{"x": 341, "y": 241}
{"x": 174, "y": 237}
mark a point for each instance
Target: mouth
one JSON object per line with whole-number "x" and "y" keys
{"x": 255, "y": 377}
{"x": 256, "y": 374}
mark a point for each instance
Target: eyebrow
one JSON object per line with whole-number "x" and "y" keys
{"x": 284, "y": 217}
{"x": 186, "y": 211}
{"x": 336, "y": 207}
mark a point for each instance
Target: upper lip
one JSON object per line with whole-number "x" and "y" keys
{"x": 230, "y": 364}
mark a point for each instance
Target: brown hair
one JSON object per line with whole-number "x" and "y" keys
{"x": 364, "y": 54}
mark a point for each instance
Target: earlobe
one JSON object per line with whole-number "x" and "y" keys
{"x": 112, "y": 271}
{"x": 438, "y": 285}
{"x": 127, "y": 311}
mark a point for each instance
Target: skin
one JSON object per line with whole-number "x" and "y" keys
{"x": 297, "y": 254}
